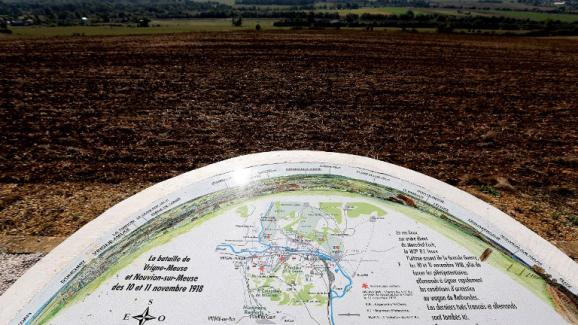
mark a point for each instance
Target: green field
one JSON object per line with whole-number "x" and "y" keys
{"x": 538, "y": 16}
{"x": 357, "y": 209}
{"x": 168, "y": 26}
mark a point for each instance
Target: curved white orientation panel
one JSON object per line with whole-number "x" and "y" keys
{"x": 299, "y": 237}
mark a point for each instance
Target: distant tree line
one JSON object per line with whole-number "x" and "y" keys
{"x": 401, "y": 3}
{"x": 276, "y": 2}
{"x": 443, "y": 24}
{"x": 70, "y": 11}
{"x": 290, "y": 15}
{"x": 289, "y": 8}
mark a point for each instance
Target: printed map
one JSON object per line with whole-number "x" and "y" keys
{"x": 303, "y": 243}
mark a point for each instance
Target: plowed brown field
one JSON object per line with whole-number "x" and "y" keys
{"x": 84, "y": 122}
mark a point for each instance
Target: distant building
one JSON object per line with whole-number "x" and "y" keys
{"x": 21, "y": 22}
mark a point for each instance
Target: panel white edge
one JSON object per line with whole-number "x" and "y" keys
{"x": 21, "y": 293}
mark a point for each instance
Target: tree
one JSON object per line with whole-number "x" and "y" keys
{"x": 143, "y": 22}
{"x": 237, "y": 21}
{"x": 311, "y": 19}
{"x": 409, "y": 15}
{"x": 258, "y": 27}
{"x": 4, "y": 27}
{"x": 352, "y": 19}
{"x": 445, "y": 28}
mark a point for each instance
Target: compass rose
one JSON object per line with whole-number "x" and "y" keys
{"x": 144, "y": 317}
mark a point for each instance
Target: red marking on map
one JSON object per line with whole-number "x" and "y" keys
{"x": 364, "y": 286}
